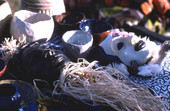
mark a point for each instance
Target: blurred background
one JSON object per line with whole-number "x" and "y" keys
{"x": 109, "y": 12}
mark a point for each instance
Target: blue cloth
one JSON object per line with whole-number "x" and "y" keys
{"x": 159, "y": 83}
{"x": 55, "y": 41}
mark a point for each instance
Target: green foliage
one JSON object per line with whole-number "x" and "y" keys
{"x": 110, "y": 11}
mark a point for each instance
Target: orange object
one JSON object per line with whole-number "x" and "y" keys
{"x": 147, "y": 7}
{"x": 2, "y": 71}
{"x": 162, "y": 6}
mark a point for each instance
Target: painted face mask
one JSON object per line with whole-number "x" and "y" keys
{"x": 129, "y": 48}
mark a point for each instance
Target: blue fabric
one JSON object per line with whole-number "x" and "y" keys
{"x": 159, "y": 83}
{"x": 55, "y": 42}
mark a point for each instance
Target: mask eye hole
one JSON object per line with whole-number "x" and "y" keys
{"x": 140, "y": 45}
{"x": 120, "y": 45}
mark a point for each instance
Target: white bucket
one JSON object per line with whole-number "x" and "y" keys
{"x": 50, "y": 7}
{"x": 32, "y": 25}
{"x": 77, "y": 44}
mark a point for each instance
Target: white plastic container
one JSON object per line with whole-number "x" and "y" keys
{"x": 32, "y": 25}
{"x": 77, "y": 44}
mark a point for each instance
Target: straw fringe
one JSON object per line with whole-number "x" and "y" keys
{"x": 88, "y": 82}
{"x": 9, "y": 47}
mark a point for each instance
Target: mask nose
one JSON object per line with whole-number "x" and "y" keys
{"x": 140, "y": 45}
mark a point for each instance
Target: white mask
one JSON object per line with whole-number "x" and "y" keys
{"x": 130, "y": 48}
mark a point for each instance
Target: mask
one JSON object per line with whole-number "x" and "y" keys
{"x": 129, "y": 48}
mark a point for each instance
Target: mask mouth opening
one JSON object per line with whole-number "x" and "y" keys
{"x": 149, "y": 59}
